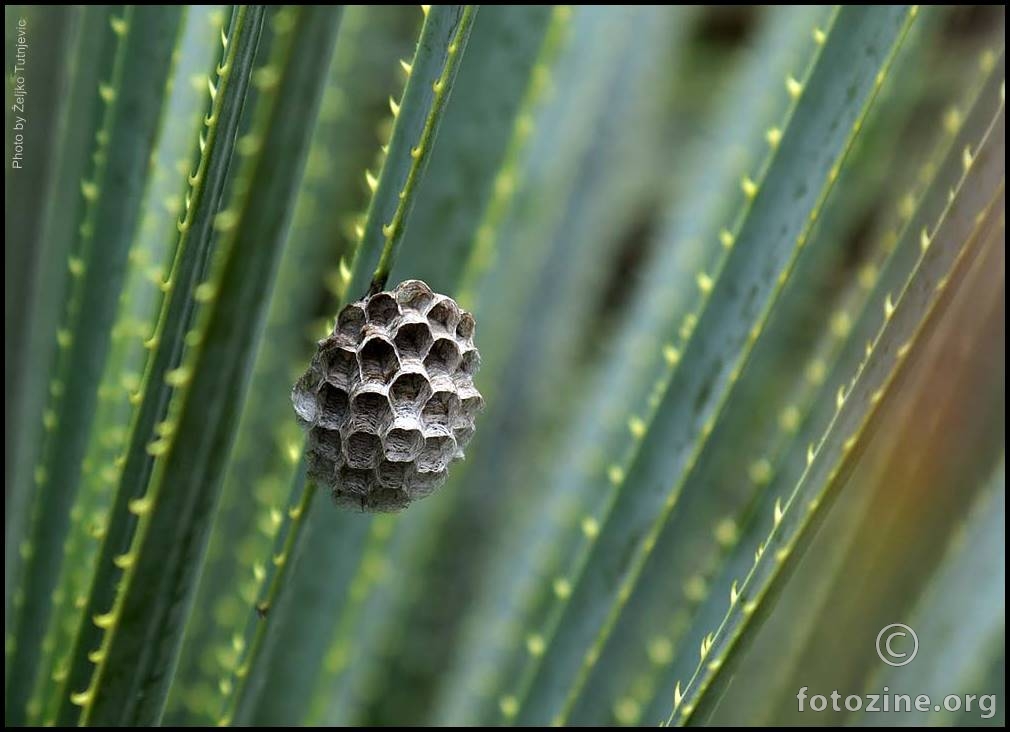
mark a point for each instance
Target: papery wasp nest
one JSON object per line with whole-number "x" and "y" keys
{"x": 388, "y": 399}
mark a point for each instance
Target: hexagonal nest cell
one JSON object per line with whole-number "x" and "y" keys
{"x": 388, "y": 399}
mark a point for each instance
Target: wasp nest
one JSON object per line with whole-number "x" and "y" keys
{"x": 389, "y": 399}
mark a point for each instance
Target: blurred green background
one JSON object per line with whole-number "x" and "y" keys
{"x": 597, "y": 179}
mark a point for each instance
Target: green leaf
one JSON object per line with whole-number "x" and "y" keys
{"x": 810, "y": 325}
{"x": 943, "y": 254}
{"x": 899, "y": 503}
{"x": 262, "y": 97}
{"x": 42, "y": 216}
{"x": 929, "y": 485}
{"x": 539, "y": 215}
{"x": 314, "y": 608}
{"x": 133, "y": 103}
{"x": 915, "y": 214}
{"x": 359, "y": 79}
{"x": 418, "y": 115}
{"x": 541, "y": 541}
{"x": 485, "y": 101}
{"x": 196, "y": 235}
{"x": 393, "y": 559}
{"x": 338, "y": 534}
{"x": 150, "y": 259}
{"x": 334, "y": 534}
{"x": 436, "y": 61}
{"x": 177, "y": 526}
{"x": 738, "y": 299}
